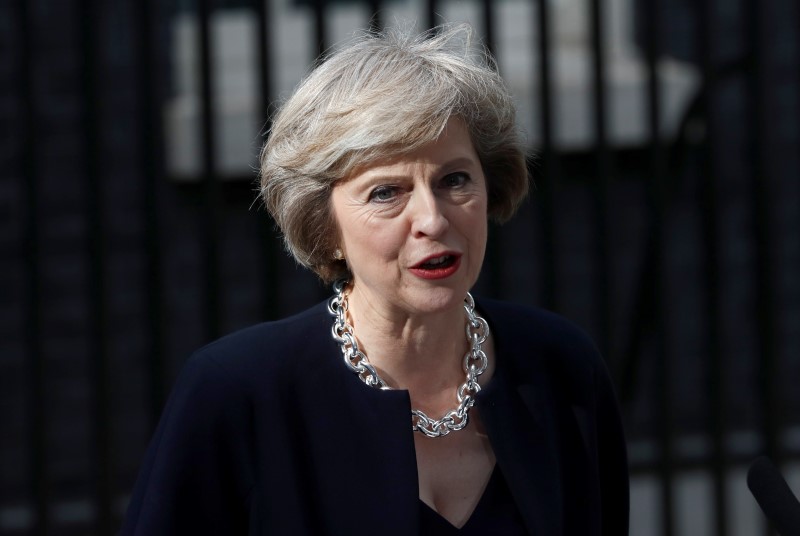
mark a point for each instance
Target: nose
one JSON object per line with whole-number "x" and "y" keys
{"x": 427, "y": 217}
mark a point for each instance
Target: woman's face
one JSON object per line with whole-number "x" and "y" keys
{"x": 413, "y": 228}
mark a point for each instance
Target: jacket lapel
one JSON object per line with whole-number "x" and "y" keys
{"x": 522, "y": 432}
{"x": 542, "y": 425}
{"x": 365, "y": 455}
{"x": 383, "y": 449}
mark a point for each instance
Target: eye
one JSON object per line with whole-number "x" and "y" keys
{"x": 455, "y": 180}
{"x": 383, "y": 194}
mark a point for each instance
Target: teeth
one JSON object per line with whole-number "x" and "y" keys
{"x": 438, "y": 260}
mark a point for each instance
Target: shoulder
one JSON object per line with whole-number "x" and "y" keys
{"x": 539, "y": 329}
{"x": 268, "y": 350}
{"x": 539, "y": 341}
{"x": 202, "y": 456}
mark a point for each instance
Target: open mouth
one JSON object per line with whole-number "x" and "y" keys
{"x": 438, "y": 263}
{"x": 438, "y": 267}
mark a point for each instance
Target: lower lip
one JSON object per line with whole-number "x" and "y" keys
{"x": 437, "y": 273}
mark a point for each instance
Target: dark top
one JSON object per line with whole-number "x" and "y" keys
{"x": 495, "y": 513}
{"x": 268, "y": 432}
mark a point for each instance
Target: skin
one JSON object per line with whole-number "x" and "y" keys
{"x": 392, "y": 216}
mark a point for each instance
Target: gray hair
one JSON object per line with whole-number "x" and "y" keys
{"x": 383, "y": 95}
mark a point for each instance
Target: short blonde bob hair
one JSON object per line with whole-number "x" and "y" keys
{"x": 380, "y": 96}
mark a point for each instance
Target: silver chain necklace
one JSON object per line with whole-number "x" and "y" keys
{"x": 475, "y": 363}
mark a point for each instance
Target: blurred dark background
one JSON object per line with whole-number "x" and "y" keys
{"x": 664, "y": 220}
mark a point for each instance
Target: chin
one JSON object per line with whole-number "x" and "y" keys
{"x": 437, "y": 300}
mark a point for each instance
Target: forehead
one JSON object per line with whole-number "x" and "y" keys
{"x": 454, "y": 145}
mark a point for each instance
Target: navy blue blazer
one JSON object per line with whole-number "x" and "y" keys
{"x": 268, "y": 432}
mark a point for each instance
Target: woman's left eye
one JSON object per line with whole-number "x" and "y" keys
{"x": 455, "y": 180}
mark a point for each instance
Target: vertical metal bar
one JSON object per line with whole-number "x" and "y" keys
{"x": 430, "y": 13}
{"x": 657, "y": 201}
{"x": 39, "y": 477}
{"x": 376, "y": 18}
{"x": 321, "y": 37}
{"x": 269, "y": 243}
{"x": 488, "y": 25}
{"x": 707, "y": 40}
{"x": 760, "y": 182}
{"x": 604, "y": 172}
{"x": 549, "y": 178}
{"x": 320, "y": 34}
{"x": 211, "y": 192}
{"x": 152, "y": 169}
{"x": 656, "y": 184}
{"x": 494, "y": 247}
{"x": 98, "y": 328}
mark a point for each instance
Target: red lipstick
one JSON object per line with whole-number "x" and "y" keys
{"x": 437, "y": 266}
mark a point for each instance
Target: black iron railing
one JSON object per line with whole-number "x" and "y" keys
{"x": 663, "y": 165}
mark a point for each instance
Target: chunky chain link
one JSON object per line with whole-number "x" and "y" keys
{"x": 475, "y": 363}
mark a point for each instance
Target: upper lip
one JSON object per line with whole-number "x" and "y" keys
{"x": 436, "y": 256}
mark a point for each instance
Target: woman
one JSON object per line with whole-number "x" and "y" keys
{"x": 374, "y": 413}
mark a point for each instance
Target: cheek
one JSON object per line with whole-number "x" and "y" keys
{"x": 476, "y": 219}
{"x": 372, "y": 241}
{"x": 479, "y": 237}
{"x": 477, "y": 229}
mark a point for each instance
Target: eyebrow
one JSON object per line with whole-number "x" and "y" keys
{"x": 462, "y": 161}
{"x": 455, "y": 163}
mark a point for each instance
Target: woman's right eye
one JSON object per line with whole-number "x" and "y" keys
{"x": 382, "y": 194}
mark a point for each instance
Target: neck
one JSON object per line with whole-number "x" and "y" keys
{"x": 418, "y": 352}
